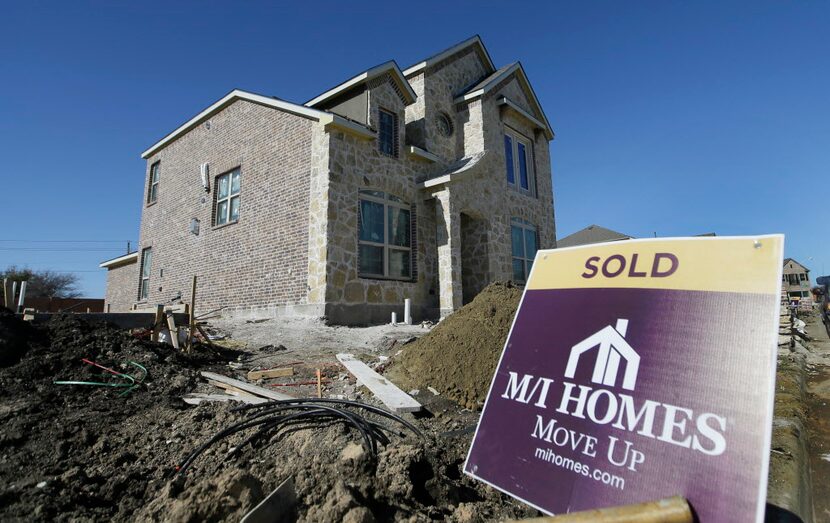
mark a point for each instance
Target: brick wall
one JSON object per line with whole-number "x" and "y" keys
{"x": 259, "y": 261}
{"x": 122, "y": 285}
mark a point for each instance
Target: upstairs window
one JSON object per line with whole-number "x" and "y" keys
{"x": 523, "y": 240}
{"x": 153, "y": 189}
{"x": 388, "y": 132}
{"x": 144, "y": 283}
{"x": 227, "y": 198}
{"x": 384, "y": 236}
{"x": 518, "y": 162}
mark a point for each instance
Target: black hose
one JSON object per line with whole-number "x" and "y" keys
{"x": 365, "y": 406}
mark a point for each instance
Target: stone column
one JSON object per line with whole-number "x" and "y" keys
{"x": 448, "y": 240}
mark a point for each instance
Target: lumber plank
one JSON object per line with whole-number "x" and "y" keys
{"x": 122, "y": 320}
{"x": 277, "y": 506}
{"x": 383, "y": 389}
{"x": 281, "y": 372}
{"x": 247, "y": 397}
{"x": 196, "y": 398}
{"x": 174, "y": 332}
{"x": 247, "y": 387}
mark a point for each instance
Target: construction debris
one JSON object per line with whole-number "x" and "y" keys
{"x": 282, "y": 372}
{"x": 383, "y": 389}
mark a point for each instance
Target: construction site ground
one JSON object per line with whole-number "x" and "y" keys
{"x": 87, "y": 453}
{"x": 90, "y": 453}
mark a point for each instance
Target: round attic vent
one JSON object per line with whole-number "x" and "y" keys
{"x": 207, "y": 124}
{"x": 444, "y": 123}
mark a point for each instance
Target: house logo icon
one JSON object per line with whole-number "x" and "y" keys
{"x": 612, "y": 349}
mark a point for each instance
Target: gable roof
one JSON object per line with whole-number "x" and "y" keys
{"x": 268, "y": 101}
{"x": 125, "y": 259}
{"x": 788, "y": 260}
{"x": 488, "y": 83}
{"x": 389, "y": 67}
{"x": 474, "y": 42}
{"x": 591, "y": 234}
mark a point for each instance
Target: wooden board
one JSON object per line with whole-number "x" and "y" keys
{"x": 270, "y": 373}
{"x": 123, "y": 320}
{"x": 196, "y": 398}
{"x": 383, "y": 389}
{"x": 277, "y": 506}
{"x": 247, "y": 387}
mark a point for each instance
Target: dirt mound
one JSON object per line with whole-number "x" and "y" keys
{"x": 458, "y": 358}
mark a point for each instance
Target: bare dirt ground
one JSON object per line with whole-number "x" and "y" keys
{"x": 818, "y": 424}
{"x": 84, "y": 453}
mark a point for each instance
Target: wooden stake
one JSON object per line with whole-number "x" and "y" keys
{"x": 319, "y": 384}
{"x": 174, "y": 332}
{"x": 669, "y": 510}
{"x": 158, "y": 322}
{"x": 192, "y": 315}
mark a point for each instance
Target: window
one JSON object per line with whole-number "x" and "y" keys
{"x": 518, "y": 162}
{"x": 523, "y": 239}
{"x": 144, "y": 284}
{"x": 388, "y": 132}
{"x": 153, "y": 190}
{"x": 384, "y": 236}
{"x": 227, "y": 198}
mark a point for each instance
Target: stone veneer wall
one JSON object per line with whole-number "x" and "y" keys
{"x": 262, "y": 260}
{"x": 357, "y": 164}
{"x": 122, "y": 285}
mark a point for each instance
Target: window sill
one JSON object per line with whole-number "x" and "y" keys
{"x": 386, "y": 278}
{"x": 150, "y": 204}
{"x": 215, "y": 227}
{"x": 515, "y": 188}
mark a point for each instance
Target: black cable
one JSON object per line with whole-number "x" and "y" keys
{"x": 365, "y": 406}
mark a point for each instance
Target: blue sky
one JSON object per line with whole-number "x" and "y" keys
{"x": 672, "y": 118}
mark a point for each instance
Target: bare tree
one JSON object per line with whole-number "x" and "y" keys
{"x": 44, "y": 284}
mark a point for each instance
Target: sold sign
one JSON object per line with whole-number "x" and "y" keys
{"x": 635, "y": 371}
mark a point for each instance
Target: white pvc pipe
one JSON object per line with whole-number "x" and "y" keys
{"x": 394, "y": 318}
{"x": 407, "y": 311}
{"x": 22, "y": 296}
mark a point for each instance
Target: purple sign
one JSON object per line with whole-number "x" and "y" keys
{"x": 613, "y": 391}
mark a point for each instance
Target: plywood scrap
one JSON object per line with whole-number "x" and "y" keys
{"x": 281, "y": 372}
{"x": 247, "y": 387}
{"x": 383, "y": 389}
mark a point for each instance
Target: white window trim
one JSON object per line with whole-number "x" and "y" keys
{"x": 146, "y": 271}
{"x": 155, "y": 167}
{"x": 515, "y": 138}
{"x": 227, "y": 198}
{"x": 523, "y": 225}
{"x": 387, "y": 247}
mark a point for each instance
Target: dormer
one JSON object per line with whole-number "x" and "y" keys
{"x": 375, "y": 98}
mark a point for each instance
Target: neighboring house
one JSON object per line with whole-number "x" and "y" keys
{"x": 796, "y": 281}
{"x": 426, "y": 183}
{"x": 597, "y": 234}
{"x": 591, "y": 234}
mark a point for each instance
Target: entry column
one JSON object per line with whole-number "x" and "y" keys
{"x": 448, "y": 239}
